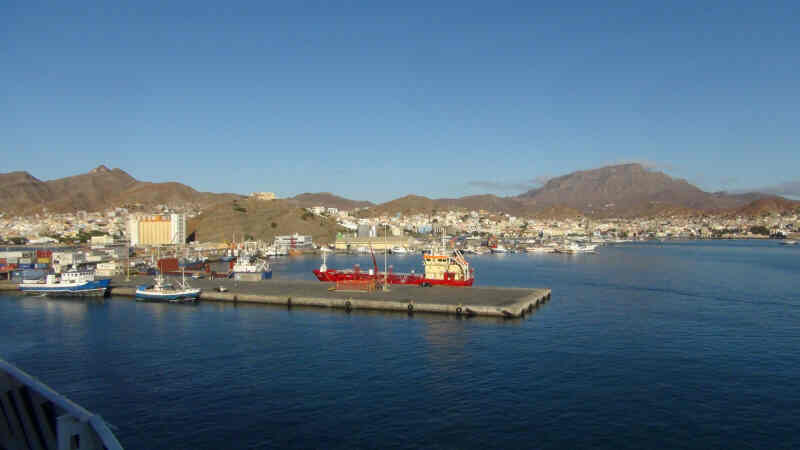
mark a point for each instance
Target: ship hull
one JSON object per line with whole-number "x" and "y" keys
{"x": 89, "y": 289}
{"x": 143, "y": 294}
{"x": 333, "y": 275}
{"x": 462, "y": 283}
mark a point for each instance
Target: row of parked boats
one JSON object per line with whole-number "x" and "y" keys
{"x": 82, "y": 283}
{"x": 571, "y": 247}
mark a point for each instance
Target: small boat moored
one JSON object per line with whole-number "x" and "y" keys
{"x": 164, "y": 291}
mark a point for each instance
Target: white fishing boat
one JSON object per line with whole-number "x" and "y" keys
{"x": 789, "y": 242}
{"x": 164, "y": 291}
{"x": 574, "y": 247}
{"x": 499, "y": 249}
{"x": 399, "y": 250}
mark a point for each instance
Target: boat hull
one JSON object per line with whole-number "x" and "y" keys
{"x": 89, "y": 289}
{"x": 333, "y": 275}
{"x": 143, "y": 294}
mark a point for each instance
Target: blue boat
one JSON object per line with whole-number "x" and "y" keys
{"x": 71, "y": 283}
{"x": 164, "y": 291}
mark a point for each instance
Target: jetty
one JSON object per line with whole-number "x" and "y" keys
{"x": 471, "y": 301}
{"x": 465, "y": 301}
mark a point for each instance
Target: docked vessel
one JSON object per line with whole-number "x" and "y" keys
{"x": 441, "y": 267}
{"x": 499, "y": 249}
{"x": 576, "y": 248}
{"x": 251, "y": 269}
{"x": 72, "y": 283}
{"x": 164, "y": 291}
{"x": 193, "y": 263}
{"x": 539, "y": 249}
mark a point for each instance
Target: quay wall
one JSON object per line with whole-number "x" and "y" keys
{"x": 423, "y": 305}
{"x": 469, "y": 301}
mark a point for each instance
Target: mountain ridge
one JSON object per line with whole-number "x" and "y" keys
{"x": 95, "y": 190}
{"x": 625, "y": 190}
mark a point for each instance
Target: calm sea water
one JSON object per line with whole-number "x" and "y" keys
{"x": 682, "y": 345}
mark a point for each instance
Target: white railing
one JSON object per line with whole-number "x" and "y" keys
{"x": 74, "y": 424}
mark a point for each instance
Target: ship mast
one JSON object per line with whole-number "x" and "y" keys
{"x": 385, "y": 258}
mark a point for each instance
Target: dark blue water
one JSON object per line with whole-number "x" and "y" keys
{"x": 688, "y": 345}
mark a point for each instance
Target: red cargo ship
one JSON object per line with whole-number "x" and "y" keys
{"x": 448, "y": 268}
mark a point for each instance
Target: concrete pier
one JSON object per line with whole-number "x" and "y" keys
{"x": 470, "y": 301}
{"x": 478, "y": 301}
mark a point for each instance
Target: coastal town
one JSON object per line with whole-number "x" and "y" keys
{"x": 79, "y": 227}
{"x": 109, "y": 238}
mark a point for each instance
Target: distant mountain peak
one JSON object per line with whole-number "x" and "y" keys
{"x": 626, "y": 190}
{"x": 100, "y": 169}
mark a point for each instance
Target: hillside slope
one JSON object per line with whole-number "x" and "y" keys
{"x": 260, "y": 219}
{"x": 309, "y": 200}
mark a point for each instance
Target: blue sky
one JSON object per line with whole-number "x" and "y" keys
{"x": 375, "y": 100}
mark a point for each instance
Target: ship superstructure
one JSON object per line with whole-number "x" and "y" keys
{"x": 246, "y": 269}
{"x": 442, "y": 266}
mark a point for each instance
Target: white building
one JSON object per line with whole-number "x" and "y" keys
{"x": 68, "y": 258}
{"x": 133, "y": 230}
{"x": 293, "y": 241}
{"x": 178, "y": 228}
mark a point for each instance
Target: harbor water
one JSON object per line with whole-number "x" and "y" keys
{"x": 643, "y": 345}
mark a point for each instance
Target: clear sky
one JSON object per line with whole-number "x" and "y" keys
{"x": 374, "y": 100}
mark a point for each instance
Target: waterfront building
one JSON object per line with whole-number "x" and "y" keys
{"x": 366, "y": 230}
{"x": 295, "y": 241}
{"x": 159, "y": 229}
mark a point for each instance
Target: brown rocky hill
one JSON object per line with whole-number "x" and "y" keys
{"x": 260, "y": 219}
{"x": 629, "y": 190}
{"x": 625, "y": 190}
{"x": 89, "y": 191}
{"x": 308, "y": 200}
{"x": 768, "y": 205}
{"x": 170, "y": 193}
{"x": 96, "y": 190}
{"x": 20, "y": 190}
